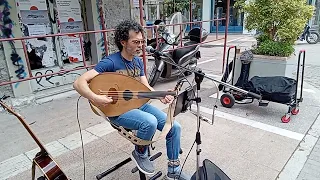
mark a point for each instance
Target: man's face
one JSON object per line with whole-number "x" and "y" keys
{"x": 134, "y": 44}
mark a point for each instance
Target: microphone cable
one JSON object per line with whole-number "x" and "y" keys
{"x": 84, "y": 164}
{"x": 184, "y": 77}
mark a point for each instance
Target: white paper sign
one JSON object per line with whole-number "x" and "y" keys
{"x": 32, "y": 4}
{"x": 36, "y": 30}
{"x": 73, "y": 47}
{"x": 69, "y": 10}
{"x": 135, "y": 3}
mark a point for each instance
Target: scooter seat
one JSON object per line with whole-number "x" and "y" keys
{"x": 177, "y": 54}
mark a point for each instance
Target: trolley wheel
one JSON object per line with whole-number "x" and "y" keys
{"x": 295, "y": 111}
{"x": 285, "y": 119}
{"x": 227, "y": 100}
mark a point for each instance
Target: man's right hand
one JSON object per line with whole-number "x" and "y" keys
{"x": 102, "y": 100}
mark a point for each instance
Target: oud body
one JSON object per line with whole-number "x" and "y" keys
{"x": 127, "y": 93}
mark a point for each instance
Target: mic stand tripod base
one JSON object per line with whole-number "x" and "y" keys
{"x": 208, "y": 170}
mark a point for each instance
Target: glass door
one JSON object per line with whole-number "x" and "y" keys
{"x": 235, "y": 17}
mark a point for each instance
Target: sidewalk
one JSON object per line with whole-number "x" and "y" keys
{"x": 311, "y": 170}
{"x": 247, "y": 142}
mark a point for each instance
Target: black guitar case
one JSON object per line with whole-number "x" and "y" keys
{"x": 209, "y": 171}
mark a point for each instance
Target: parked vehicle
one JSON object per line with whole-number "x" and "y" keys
{"x": 311, "y": 36}
{"x": 186, "y": 56}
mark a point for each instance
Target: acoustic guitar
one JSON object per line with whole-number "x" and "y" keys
{"x": 43, "y": 159}
{"x": 127, "y": 93}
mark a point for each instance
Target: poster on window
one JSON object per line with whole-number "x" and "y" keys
{"x": 32, "y": 4}
{"x": 135, "y": 3}
{"x": 33, "y": 11}
{"x": 69, "y": 10}
{"x": 70, "y": 27}
{"x": 37, "y": 30}
{"x": 73, "y": 48}
{"x": 40, "y": 49}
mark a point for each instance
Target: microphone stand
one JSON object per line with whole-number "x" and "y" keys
{"x": 198, "y": 79}
{"x": 199, "y": 76}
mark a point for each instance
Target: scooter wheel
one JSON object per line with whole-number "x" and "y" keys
{"x": 314, "y": 35}
{"x": 227, "y": 100}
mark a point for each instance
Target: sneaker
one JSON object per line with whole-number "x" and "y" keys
{"x": 143, "y": 163}
{"x": 175, "y": 176}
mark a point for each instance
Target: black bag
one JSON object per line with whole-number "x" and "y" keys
{"x": 276, "y": 89}
{"x": 210, "y": 171}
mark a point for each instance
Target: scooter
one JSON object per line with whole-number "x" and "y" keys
{"x": 311, "y": 36}
{"x": 160, "y": 31}
{"x": 187, "y": 56}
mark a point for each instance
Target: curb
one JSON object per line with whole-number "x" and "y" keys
{"x": 300, "y": 156}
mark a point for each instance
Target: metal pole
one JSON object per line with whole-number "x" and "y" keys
{"x": 26, "y": 56}
{"x": 226, "y": 34}
{"x": 190, "y": 13}
{"x": 103, "y": 28}
{"x": 82, "y": 51}
{"x": 143, "y": 47}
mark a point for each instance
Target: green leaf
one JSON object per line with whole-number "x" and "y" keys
{"x": 280, "y": 20}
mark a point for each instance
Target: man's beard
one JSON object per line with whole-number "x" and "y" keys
{"x": 136, "y": 52}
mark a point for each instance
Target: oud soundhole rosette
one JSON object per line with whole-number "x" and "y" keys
{"x": 127, "y": 95}
{"x": 114, "y": 94}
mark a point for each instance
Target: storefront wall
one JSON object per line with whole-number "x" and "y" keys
{"x": 46, "y": 55}
{"x": 53, "y": 54}
{"x": 219, "y": 11}
{"x": 315, "y": 20}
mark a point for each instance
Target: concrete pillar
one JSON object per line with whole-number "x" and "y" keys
{"x": 14, "y": 54}
{"x": 4, "y": 75}
{"x": 206, "y": 14}
{"x": 113, "y": 12}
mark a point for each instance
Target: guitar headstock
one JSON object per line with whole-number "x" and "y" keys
{"x": 6, "y": 107}
{"x": 4, "y": 97}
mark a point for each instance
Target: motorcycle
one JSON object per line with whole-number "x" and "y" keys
{"x": 311, "y": 36}
{"x": 160, "y": 30}
{"x": 186, "y": 57}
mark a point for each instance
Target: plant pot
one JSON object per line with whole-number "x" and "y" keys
{"x": 267, "y": 66}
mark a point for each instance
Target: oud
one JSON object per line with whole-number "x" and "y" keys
{"x": 127, "y": 93}
{"x": 43, "y": 160}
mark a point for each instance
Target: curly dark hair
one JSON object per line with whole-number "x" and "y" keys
{"x": 122, "y": 31}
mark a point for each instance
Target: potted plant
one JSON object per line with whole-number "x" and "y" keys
{"x": 278, "y": 23}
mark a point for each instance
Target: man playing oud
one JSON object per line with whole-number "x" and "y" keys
{"x": 147, "y": 119}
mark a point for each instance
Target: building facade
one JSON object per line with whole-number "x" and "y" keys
{"x": 202, "y": 10}
{"x": 47, "y": 55}
{"x": 315, "y": 20}
{"x": 208, "y": 10}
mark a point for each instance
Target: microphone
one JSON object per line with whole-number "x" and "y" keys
{"x": 150, "y": 49}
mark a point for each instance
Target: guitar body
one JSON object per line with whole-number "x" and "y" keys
{"x": 49, "y": 167}
{"x": 43, "y": 160}
{"x": 113, "y": 85}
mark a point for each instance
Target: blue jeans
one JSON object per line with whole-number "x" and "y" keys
{"x": 146, "y": 120}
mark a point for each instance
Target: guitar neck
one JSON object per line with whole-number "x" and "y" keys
{"x": 155, "y": 94}
{"x": 41, "y": 146}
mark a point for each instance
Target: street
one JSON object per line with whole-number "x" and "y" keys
{"x": 247, "y": 142}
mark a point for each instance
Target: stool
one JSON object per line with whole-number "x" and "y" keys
{"x": 135, "y": 169}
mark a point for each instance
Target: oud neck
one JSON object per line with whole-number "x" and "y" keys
{"x": 155, "y": 94}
